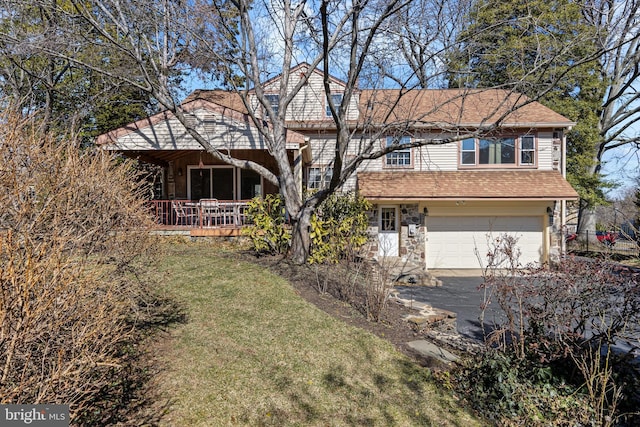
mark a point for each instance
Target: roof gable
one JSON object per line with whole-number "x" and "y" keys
{"x": 196, "y": 103}
{"x": 302, "y": 69}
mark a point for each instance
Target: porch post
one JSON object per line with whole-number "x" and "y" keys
{"x": 171, "y": 183}
{"x": 425, "y": 215}
{"x": 297, "y": 170}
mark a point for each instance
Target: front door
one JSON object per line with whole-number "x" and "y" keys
{"x": 388, "y": 232}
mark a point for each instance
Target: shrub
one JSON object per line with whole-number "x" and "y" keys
{"x": 511, "y": 391}
{"x": 339, "y": 228}
{"x": 578, "y": 321}
{"x": 268, "y": 232}
{"x": 73, "y": 247}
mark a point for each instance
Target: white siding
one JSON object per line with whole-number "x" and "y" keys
{"x": 431, "y": 157}
{"x": 545, "y": 150}
{"x": 322, "y": 149}
{"x": 437, "y": 157}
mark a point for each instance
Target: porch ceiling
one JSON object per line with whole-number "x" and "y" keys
{"x": 161, "y": 158}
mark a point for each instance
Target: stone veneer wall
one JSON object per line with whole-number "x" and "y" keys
{"x": 555, "y": 236}
{"x": 411, "y": 247}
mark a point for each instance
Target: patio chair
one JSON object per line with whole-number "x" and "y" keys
{"x": 185, "y": 215}
{"x": 210, "y": 211}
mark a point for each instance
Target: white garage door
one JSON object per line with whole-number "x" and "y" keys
{"x": 452, "y": 241}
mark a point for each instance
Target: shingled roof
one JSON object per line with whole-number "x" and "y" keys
{"x": 438, "y": 108}
{"x": 465, "y": 185}
{"x": 458, "y": 107}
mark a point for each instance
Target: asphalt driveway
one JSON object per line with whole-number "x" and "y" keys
{"x": 458, "y": 294}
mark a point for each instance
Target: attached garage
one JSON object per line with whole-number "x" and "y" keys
{"x": 459, "y": 241}
{"x": 447, "y": 217}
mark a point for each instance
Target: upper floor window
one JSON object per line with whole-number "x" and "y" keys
{"x": 500, "y": 151}
{"x": 468, "y": 151}
{"x": 318, "y": 177}
{"x": 527, "y": 150}
{"x": 274, "y": 101}
{"x": 400, "y": 157}
{"x": 337, "y": 100}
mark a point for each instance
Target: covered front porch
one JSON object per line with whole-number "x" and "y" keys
{"x": 193, "y": 190}
{"x": 201, "y": 217}
{"x": 195, "y": 194}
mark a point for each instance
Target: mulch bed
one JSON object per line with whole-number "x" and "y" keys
{"x": 391, "y": 326}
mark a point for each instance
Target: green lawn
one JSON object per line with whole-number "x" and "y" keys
{"x": 252, "y": 352}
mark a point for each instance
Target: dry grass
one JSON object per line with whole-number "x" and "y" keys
{"x": 252, "y": 352}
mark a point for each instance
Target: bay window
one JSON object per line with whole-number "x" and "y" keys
{"x": 500, "y": 151}
{"x": 468, "y": 151}
{"x": 527, "y": 150}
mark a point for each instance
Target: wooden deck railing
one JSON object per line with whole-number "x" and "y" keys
{"x": 209, "y": 213}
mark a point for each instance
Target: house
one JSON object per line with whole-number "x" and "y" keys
{"x": 440, "y": 204}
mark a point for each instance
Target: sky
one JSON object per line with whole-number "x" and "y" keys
{"x": 623, "y": 166}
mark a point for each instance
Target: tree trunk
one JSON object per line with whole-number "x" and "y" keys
{"x": 587, "y": 211}
{"x": 301, "y": 237}
{"x": 587, "y": 228}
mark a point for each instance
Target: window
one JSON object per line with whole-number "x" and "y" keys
{"x": 468, "y": 152}
{"x": 250, "y": 184}
{"x": 209, "y": 182}
{"x": 388, "y": 219}
{"x": 527, "y": 150}
{"x": 402, "y": 156}
{"x": 274, "y": 100}
{"x": 314, "y": 178}
{"x": 318, "y": 177}
{"x": 498, "y": 151}
{"x": 337, "y": 100}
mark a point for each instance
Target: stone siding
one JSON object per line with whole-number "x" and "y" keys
{"x": 411, "y": 246}
{"x": 412, "y": 234}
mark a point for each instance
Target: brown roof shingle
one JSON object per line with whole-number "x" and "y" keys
{"x": 429, "y": 107}
{"x": 224, "y": 98}
{"x": 468, "y": 184}
{"x": 458, "y": 107}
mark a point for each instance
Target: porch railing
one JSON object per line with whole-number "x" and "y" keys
{"x": 199, "y": 213}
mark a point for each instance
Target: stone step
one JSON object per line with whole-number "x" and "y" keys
{"x": 429, "y": 349}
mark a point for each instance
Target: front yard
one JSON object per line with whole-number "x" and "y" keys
{"x": 253, "y": 352}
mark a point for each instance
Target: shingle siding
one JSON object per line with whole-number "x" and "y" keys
{"x": 310, "y": 102}
{"x": 223, "y": 132}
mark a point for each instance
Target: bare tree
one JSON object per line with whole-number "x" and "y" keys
{"x": 618, "y": 25}
{"x": 241, "y": 44}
